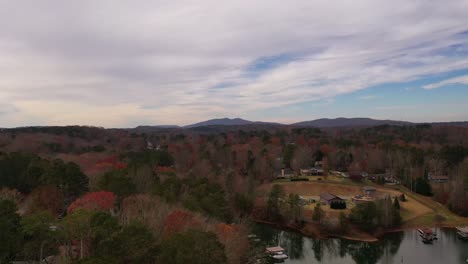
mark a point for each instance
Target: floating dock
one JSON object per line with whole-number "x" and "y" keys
{"x": 462, "y": 232}
{"x": 427, "y": 235}
{"x": 276, "y": 253}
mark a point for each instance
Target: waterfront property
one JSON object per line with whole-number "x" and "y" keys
{"x": 427, "y": 235}
{"x": 462, "y": 232}
{"x": 274, "y": 249}
{"x": 328, "y": 198}
{"x": 276, "y": 252}
{"x": 398, "y": 247}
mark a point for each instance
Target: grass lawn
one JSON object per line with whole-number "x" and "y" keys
{"x": 438, "y": 214}
{"x": 417, "y": 211}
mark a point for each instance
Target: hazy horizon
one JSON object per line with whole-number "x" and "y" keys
{"x": 231, "y": 118}
{"x": 130, "y": 63}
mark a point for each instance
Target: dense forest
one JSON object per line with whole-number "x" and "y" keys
{"x": 171, "y": 195}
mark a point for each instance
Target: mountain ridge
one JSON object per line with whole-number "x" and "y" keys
{"x": 228, "y": 122}
{"x": 323, "y": 122}
{"x": 239, "y": 122}
{"x": 350, "y": 122}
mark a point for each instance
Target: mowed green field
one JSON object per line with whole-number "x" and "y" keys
{"x": 417, "y": 211}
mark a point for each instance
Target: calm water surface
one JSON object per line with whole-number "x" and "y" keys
{"x": 402, "y": 247}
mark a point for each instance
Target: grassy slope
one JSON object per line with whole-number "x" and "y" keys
{"x": 435, "y": 216}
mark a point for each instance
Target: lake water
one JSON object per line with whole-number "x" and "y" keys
{"x": 401, "y": 247}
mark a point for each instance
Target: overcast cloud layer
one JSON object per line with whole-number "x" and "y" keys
{"x": 123, "y": 63}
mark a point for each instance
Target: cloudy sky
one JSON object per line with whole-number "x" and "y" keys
{"x": 126, "y": 63}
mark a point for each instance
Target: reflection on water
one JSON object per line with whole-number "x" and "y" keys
{"x": 401, "y": 247}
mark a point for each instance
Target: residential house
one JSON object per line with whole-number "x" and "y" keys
{"x": 149, "y": 145}
{"x": 362, "y": 199}
{"x": 357, "y": 176}
{"x": 329, "y": 198}
{"x": 315, "y": 171}
{"x": 438, "y": 178}
{"x": 369, "y": 191}
{"x": 386, "y": 178}
{"x": 285, "y": 173}
{"x": 391, "y": 180}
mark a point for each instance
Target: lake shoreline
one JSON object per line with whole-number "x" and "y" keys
{"x": 399, "y": 245}
{"x": 313, "y": 230}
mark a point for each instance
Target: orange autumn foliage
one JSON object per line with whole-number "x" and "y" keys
{"x": 164, "y": 169}
{"x": 178, "y": 221}
{"x": 103, "y": 201}
{"x": 111, "y": 162}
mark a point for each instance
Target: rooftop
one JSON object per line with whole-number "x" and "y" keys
{"x": 274, "y": 249}
{"x": 329, "y": 196}
{"x": 439, "y": 177}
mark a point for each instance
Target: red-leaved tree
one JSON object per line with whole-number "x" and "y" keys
{"x": 179, "y": 221}
{"x": 102, "y": 201}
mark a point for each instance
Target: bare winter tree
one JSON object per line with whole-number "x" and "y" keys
{"x": 459, "y": 195}
{"x": 303, "y": 157}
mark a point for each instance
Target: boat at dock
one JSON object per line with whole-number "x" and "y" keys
{"x": 427, "y": 235}
{"x": 276, "y": 253}
{"x": 462, "y": 232}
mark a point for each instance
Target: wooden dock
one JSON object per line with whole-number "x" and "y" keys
{"x": 462, "y": 232}
{"x": 427, "y": 235}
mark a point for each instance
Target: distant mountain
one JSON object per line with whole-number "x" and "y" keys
{"x": 148, "y": 129}
{"x": 159, "y": 126}
{"x": 456, "y": 123}
{"x": 227, "y": 122}
{"x": 221, "y": 124}
{"x": 349, "y": 122}
{"x": 234, "y": 124}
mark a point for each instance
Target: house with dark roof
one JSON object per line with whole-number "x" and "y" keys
{"x": 329, "y": 198}
{"x": 357, "y": 176}
{"x": 437, "y": 178}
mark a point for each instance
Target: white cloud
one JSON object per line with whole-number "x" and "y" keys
{"x": 396, "y": 107}
{"x": 457, "y": 80}
{"x": 160, "y": 61}
{"x": 367, "y": 97}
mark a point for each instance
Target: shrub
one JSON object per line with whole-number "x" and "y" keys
{"x": 403, "y": 198}
{"x": 422, "y": 186}
{"x": 299, "y": 179}
{"x": 338, "y": 205}
{"x": 193, "y": 246}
